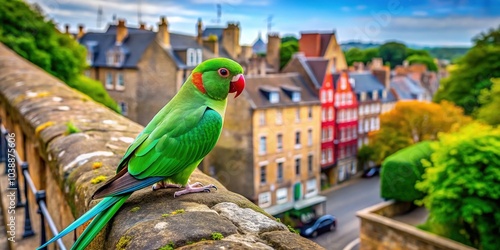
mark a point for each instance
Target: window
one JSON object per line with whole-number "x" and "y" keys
{"x": 310, "y": 164}
{"x": 297, "y": 115}
{"x": 124, "y": 108}
{"x": 265, "y": 199}
{"x": 323, "y": 156}
{"x": 311, "y": 188}
{"x": 330, "y": 155}
{"x": 349, "y": 99}
{"x": 309, "y": 137}
{"x": 324, "y": 135}
{"x": 199, "y": 56}
{"x": 279, "y": 144}
{"x": 330, "y": 96}
{"x": 323, "y": 114}
{"x": 337, "y": 99}
{"x": 330, "y": 113}
{"x": 363, "y": 96}
{"x": 263, "y": 174}
{"x": 297, "y": 139}
{"x": 375, "y": 95}
{"x": 295, "y": 96}
{"x": 274, "y": 97}
{"x": 90, "y": 57}
{"x": 384, "y": 94}
{"x": 360, "y": 126}
{"x": 310, "y": 112}
{"x": 323, "y": 96}
{"x": 120, "y": 82}
{"x": 280, "y": 172}
{"x": 367, "y": 126}
{"x": 190, "y": 60}
{"x": 297, "y": 166}
{"x": 330, "y": 133}
{"x": 262, "y": 145}
{"x": 109, "y": 80}
{"x": 279, "y": 116}
{"x": 282, "y": 195}
{"x": 262, "y": 118}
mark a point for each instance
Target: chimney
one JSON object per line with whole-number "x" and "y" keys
{"x": 273, "y": 51}
{"x": 212, "y": 44}
{"x": 377, "y": 63}
{"x": 66, "y": 28}
{"x": 81, "y": 31}
{"x": 163, "y": 36}
{"x": 121, "y": 32}
{"x": 231, "y": 39}
{"x": 310, "y": 44}
{"x": 199, "y": 36}
{"x": 246, "y": 52}
{"x": 142, "y": 26}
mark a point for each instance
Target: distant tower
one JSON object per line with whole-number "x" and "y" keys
{"x": 99, "y": 16}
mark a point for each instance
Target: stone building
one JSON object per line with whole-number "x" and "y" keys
{"x": 270, "y": 145}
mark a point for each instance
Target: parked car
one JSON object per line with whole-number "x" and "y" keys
{"x": 371, "y": 172}
{"x": 319, "y": 225}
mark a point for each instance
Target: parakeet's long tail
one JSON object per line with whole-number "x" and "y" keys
{"x": 102, "y": 216}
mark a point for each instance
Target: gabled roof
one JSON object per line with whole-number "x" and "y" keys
{"x": 390, "y": 97}
{"x": 325, "y": 41}
{"x": 318, "y": 67}
{"x": 135, "y": 44}
{"x": 406, "y": 88}
{"x": 256, "y": 86}
{"x": 365, "y": 82}
{"x": 259, "y": 46}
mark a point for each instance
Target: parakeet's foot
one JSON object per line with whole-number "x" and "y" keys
{"x": 191, "y": 189}
{"x": 162, "y": 184}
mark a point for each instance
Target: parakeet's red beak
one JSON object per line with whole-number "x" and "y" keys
{"x": 237, "y": 85}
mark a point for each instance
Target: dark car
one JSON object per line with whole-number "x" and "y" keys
{"x": 319, "y": 225}
{"x": 371, "y": 172}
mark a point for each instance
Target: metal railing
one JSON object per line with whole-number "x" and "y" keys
{"x": 9, "y": 155}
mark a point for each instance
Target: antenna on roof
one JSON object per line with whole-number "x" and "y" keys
{"x": 99, "y": 16}
{"x": 219, "y": 13}
{"x": 269, "y": 20}
{"x": 139, "y": 12}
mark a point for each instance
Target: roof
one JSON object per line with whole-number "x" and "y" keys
{"x": 365, "y": 82}
{"x": 390, "y": 97}
{"x": 134, "y": 45}
{"x": 325, "y": 40}
{"x": 259, "y": 46}
{"x": 256, "y": 86}
{"x": 318, "y": 67}
{"x": 406, "y": 88}
{"x": 213, "y": 30}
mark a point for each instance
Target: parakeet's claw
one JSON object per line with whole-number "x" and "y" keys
{"x": 163, "y": 184}
{"x": 191, "y": 189}
{"x": 196, "y": 184}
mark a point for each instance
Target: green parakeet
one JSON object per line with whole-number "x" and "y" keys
{"x": 171, "y": 146}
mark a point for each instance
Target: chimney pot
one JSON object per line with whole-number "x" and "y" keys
{"x": 121, "y": 31}
{"x": 81, "y": 31}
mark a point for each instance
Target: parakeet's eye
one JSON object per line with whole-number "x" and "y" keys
{"x": 223, "y": 72}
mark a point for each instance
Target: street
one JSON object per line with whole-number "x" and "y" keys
{"x": 343, "y": 203}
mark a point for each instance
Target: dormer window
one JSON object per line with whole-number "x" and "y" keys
{"x": 193, "y": 57}
{"x": 274, "y": 97}
{"x": 90, "y": 57}
{"x": 115, "y": 57}
{"x": 384, "y": 94}
{"x": 91, "y": 49}
{"x": 375, "y": 95}
{"x": 296, "y": 96}
{"x": 293, "y": 92}
{"x": 363, "y": 96}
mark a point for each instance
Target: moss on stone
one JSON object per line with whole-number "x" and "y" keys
{"x": 98, "y": 179}
{"x": 135, "y": 209}
{"x": 178, "y": 211}
{"x": 169, "y": 246}
{"x": 123, "y": 242}
{"x": 165, "y": 215}
{"x": 71, "y": 128}
{"x": 217, "y": 236}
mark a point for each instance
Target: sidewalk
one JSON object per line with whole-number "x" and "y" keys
{"x": 353, "y": 180}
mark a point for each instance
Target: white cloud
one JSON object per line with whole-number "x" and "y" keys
{"x": 233, "y": 2}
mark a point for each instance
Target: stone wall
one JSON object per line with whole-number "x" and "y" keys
{"x": 70, "y": 166}
{"x": 379, "y": 231}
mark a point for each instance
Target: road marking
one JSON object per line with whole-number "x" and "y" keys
{"x": 351, "y": 244}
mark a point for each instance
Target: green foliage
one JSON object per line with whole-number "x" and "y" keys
{"x": 287, "y": 50}
{"x": 135, "y": 209}
{"x": 123, "y": 242}
{"x": 452, "y": 230}
{"x": 447, "y": 53}
{"x": 393, "y": 52}
{"x": 365, "y": 154}
{"x": 426, "y": 60}
{"x": 71, "y": 128}
{"x": 169, "y": 246}
{"x": 472, "y": 74}
{"x": 402, "y": 170}
{"x": 462, "y": 183}
{"x": 490, "y": 104}
{"x": 492, "y": 37}
{"x": 287, "y": 38}
{"x": 217, "y": 236}
{"x": 26, "y": 31}
{"x": 358, "y": 55}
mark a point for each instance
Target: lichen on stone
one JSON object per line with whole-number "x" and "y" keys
{"x": 98, "y": 179}
{"x": 96, "y": 165}
{"x": 178, "y": 211}
{"x": 42, "y": 127}
{"x": 135, "y": 209}
{"x": 123, "y": 242}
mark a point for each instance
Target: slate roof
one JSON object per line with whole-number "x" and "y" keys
{"x": 213, "y": 30}
{"x": 318, "y": 67}
{"x": 134, "y": 45}
{"x": 259, "y": 46}
{"x": 365, "y": 82}
{"x": 256, "y": 86}
{"x": 406, "y": 88}
{"x": 325, "y": 40}
{"x": 390, "y": 97}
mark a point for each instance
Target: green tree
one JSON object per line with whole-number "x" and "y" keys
{"x": 287, "y": 38}
{"x": 287, "y": 50}
{"x": 462, "y": 183}
{"x": 365, "y": 155}
{"x": 426, "y": 60}
{"x": 25, "y": 30}
{"x": 490, "y": 104}
{"x": 393, "y": 52}
{"x": 472, "y": 73}
{"x": 354, "y": 55}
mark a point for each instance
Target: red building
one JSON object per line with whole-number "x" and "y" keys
{"x": 327, "y": 129}
{"x": 346, "y": 125}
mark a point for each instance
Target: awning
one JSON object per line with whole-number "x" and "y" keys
{"x": 278, "y": 209}
{"x": 309, "y": 202}
{"x": 297, "y": 205}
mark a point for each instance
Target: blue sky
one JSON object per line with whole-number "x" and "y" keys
{"x": 424, "y": 22}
